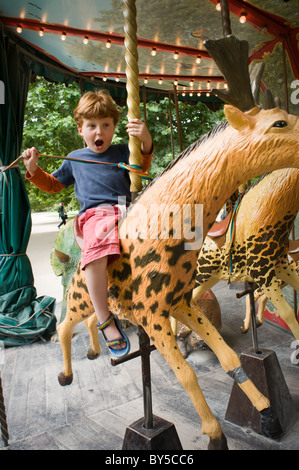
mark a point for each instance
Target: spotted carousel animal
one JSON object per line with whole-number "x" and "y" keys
{"x": 259, "y": 250}
{"x": 261, "y": 298}
{"x": 154, "y": 277}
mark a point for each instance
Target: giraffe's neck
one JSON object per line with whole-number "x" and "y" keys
{"x": 204, "y": 177}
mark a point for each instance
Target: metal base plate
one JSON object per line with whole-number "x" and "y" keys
{"x": 162, "y": 436}
{"x": 264, "y": 370}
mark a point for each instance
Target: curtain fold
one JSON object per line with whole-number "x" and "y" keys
{"x": 23, "y": 317}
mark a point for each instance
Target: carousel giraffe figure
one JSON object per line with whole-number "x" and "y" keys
{"x": 259, "y": 250}
{"x": 154, "y": 277}
{"x": 261, "y": 298}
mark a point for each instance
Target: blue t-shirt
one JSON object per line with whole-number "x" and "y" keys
{"x": 97, "y": 184}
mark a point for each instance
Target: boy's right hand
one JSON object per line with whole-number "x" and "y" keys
{"x": 30, "y": 157}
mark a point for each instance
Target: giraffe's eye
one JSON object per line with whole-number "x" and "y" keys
{"x": 280, "y": 124}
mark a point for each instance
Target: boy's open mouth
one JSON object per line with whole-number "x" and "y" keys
{"x": 99, "y": 143}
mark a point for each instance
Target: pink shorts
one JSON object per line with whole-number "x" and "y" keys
{"x": 100, "y": 234}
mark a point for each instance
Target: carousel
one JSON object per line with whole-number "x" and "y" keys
{"x": 212, "y": 320}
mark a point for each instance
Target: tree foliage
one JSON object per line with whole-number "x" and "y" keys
{"x": 50, "y": 127}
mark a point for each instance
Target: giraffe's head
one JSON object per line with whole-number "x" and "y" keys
{"x": 272, "y": 133}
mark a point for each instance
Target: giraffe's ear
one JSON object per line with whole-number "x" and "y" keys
{"x": 63, "y": 257}
{"x": 237, "y": 119}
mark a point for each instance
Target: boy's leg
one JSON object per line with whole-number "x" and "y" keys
{"x": 96, "y": 280}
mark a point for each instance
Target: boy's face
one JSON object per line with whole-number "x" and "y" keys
{"x": 97, "y": 133}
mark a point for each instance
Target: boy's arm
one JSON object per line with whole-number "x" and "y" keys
{"x": 147, "y": 160}
{"x": 45, "y": 181}
{"x": 37, "y": 176}
{"x": 138, "y": 128}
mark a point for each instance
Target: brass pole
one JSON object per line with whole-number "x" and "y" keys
{"x": 178, "y": 117}
{"x": 171, "y": 124}
{"x": 3, "y": 422}
{"x": 133, "y": 98}
{"x": 285, "y": 78}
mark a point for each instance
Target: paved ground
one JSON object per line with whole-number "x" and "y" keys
{"x": 94, "y": 412}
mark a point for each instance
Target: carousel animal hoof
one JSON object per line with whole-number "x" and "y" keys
{"x": 65, "y": 380}
{"x": 244, "y": 330}
{"x": 218, "y": 444}
{"x": 270, "y": 424}
{"x": 91, "y": 354}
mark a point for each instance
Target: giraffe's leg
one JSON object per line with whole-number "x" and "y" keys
{"x": 166, "y": 344}
{"x": 65, "y": 333}
{"x": 95, "y": 350}
{"x": 202, "y": 288}
{"x": 262, "y": 300}
{"x": 74, "y": 315}
{"x": 197, "y": 321}
{"x": 284, "y": 310}
{"x": 289, "y": 275}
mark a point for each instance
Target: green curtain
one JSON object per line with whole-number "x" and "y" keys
{"x": 24, "y": 318}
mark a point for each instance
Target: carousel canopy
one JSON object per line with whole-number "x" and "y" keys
{"x": 72, "y": 39}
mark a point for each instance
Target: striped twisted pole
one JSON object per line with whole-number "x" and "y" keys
{"x": 132, "y": 85}
{"x": 3, "y": 423}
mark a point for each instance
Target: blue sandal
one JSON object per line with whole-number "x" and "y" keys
{"x": 115, "y": 352}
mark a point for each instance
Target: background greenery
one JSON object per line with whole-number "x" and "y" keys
{"x": 49, "y": 126}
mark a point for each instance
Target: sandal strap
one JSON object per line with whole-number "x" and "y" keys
{"x": 115, "y": 342}
{"x": 110, "y": 319}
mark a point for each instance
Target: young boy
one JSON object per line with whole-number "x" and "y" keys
{"x": 97, "y": 187}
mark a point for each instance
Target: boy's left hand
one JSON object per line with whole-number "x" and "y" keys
{"x": 137, "y": 128}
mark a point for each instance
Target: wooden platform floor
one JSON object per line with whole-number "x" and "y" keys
{"x": 94, "y": 412}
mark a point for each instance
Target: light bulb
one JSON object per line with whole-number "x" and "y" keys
{"x": 85, "y": 40}
{"x": 243, "y": 17}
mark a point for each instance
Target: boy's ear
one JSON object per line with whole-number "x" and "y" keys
{"x": 237, "y": 119}
{"x": 79, "y": 129}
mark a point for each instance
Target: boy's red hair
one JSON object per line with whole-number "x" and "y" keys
{"x": 96, "y": 104}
